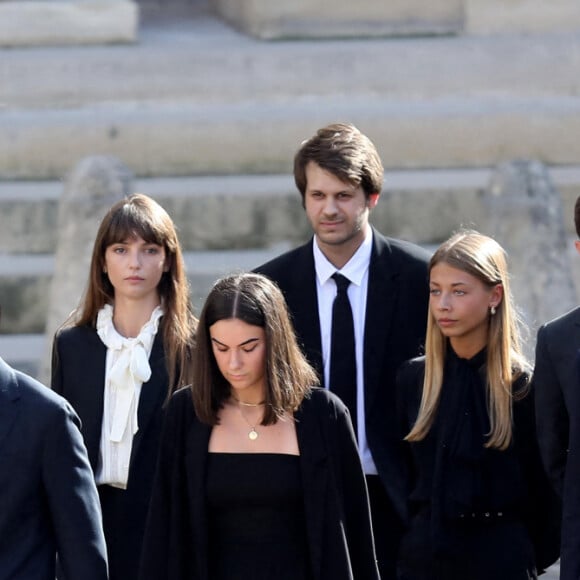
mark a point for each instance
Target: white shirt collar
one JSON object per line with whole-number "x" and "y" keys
{"x": 354, "y": 269}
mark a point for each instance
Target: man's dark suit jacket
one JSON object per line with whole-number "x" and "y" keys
{"x": 335, "y": 501}
{"x": 48, "y": 499}
{"x": 396, "y": 319}
{"x": 557, "y": 385}
{"x": 78, "y": 374}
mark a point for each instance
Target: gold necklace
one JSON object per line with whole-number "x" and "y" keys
{"x": 244, "y": 404}
{"x": 252, "y": 433}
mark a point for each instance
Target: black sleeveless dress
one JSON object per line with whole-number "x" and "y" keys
{"x": 257, "y": 528}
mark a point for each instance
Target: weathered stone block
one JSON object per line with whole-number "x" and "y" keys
{"x": 328, "y": 18}
{"x": 524, "y": 214}
{"x": 94, "y": 185}
{"x": 42, "y": 22}
{"x": 521, "y": 16}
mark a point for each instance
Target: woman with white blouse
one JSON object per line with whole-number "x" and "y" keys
{"x": 119, "y": 356}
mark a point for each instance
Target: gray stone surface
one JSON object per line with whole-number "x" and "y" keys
{"x": 524, "y": 214}
{"x": 327, "y": 18}
{"x": 196, "y": 97}
{"x": 91, "y": 188}
{"x": 419, "y": 205}
{"x": 521, "y": 17}
{"x": 58, "y": 22}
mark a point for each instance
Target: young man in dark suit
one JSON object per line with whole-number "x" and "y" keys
{"x": 48, "y": 500}
{"x": 556, "y": 383}
{"x": 339, "y": 175}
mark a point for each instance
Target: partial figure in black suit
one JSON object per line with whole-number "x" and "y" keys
{"x": 259, "y": 476}
{"x": 340, "y": 175}
{"x": 557, "y": 384}
{"x": 124, "y": 351}
{"x": 48, "y": 501}
{"x": 480, "y": 501}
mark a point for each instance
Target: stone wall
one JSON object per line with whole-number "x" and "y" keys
{"x": 366, "y": 18}
{"x": 46, "y": 22}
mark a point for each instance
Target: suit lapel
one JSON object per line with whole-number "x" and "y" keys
{"x": 153, "y": 391}
{"x": 88, "y": 398}
{"x": 314, "y": 468}
{"x": 382, "y": 289}
{"x": 9, "y": 397}
{"x": 303, "y": 302}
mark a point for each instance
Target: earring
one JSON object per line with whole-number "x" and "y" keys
{"x": 492, "y": 310}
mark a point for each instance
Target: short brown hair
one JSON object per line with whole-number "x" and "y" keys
{"x": 255, "y": 300}
{"x": 341, "y": 149}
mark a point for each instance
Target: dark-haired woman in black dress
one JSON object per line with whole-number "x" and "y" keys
{"x": 259, "y": 475}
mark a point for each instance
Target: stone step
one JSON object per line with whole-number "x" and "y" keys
{"x": 255, "y": 137}
{"x": 258, "y": 211}
{"x": 26, "y": 22}
{"x": 201, "y": 60}
{"x": 196, "y": 97}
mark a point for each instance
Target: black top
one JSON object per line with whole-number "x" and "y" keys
{"x": 461, "y": 493}
{"x": 257, "y": 528}
{"x": 336, "y": 512}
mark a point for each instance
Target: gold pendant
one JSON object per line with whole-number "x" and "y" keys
{"x": 253, "y": 434}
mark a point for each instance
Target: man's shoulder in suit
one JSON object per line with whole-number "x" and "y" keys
{"x": 572, "y": 317}
{"x": 27, "y": 390}
{"x": 401, "y": 251}
{"x": 280, "y": 262}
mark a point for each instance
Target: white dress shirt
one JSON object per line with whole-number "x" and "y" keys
{"x": 357, "y": 271}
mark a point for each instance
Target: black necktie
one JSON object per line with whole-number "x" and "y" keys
{"x": 342, "y": 352}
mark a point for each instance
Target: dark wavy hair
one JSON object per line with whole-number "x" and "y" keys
{"x": 255, "y": 300}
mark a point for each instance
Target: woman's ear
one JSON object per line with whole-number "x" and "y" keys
{"x": 496, "y": 295}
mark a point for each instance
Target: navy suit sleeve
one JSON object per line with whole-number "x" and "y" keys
{"x": 73, "y": 501}
{"x": 551, "y": 414}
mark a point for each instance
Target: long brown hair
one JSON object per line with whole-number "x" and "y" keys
{"x": 485, "y": 259}
{"x": 139, "y": 215}
{"x": 255, "y": 300}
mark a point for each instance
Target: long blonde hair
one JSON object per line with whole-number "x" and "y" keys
{"x": 484, "y": 258}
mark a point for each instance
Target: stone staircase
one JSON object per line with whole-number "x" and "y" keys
{"x": 208, "y": 120}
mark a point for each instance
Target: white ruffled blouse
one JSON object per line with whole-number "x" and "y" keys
{"x": 127, "y": 368}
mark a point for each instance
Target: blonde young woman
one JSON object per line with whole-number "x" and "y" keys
{"x": 259, "y": 476}
{"x": 123, "y": 352}
{"x": 480, "y": 504}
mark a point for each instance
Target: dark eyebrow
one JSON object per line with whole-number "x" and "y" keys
{"x": 246, "y": 342}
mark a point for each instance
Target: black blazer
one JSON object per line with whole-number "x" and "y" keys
{"x": 335, "y": 497}
{"x": 48, "y": 500}
{"x": 557, "y": 384}
{"x": 516, "y": 482}
{"x": 395, "y": 324}
{"x": 78, "y": 374}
